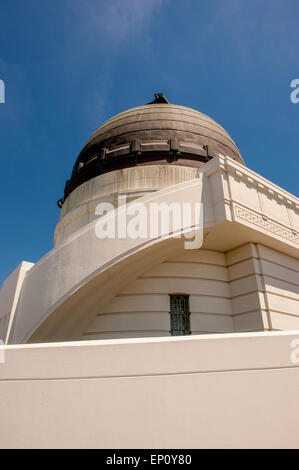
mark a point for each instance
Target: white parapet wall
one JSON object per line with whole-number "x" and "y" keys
{"x": 9, "y": 297}
{"x": 205, "y": 391}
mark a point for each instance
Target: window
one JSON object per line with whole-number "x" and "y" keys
{"x": 179, "y": 315}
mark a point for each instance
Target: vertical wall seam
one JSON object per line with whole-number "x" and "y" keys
{"x": 264, "y": 287}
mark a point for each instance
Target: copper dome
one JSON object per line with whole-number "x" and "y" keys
{"x": 156, "y": 133}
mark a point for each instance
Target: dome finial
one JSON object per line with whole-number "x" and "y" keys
{"x": 159, "y": 98}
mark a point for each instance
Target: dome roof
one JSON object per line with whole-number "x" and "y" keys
{"x": 156, "y": 133}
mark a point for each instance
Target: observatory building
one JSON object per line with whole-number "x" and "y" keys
{"x": 182, "y": 336}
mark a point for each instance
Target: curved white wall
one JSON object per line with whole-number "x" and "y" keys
{"x": 252, "y": 288}
{"x": 79, "y": 207}
{"x": 142, "y": 308}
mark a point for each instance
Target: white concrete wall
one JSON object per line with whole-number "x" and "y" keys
{"x": 280, "y": 275}
{"x": 9, "y": 297}
{"x": 142, "y": 308}
{"x": 246, "y": 289}
{"x": 243, "y": 196}
{"x": 208, "y": 391}
{"x": 251, "y": 288}
{"x": 264, "y": 286}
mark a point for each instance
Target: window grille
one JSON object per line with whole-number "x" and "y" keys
{"x": 179, "y": 315}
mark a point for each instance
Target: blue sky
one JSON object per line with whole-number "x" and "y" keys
{"x": 68, "y": 65}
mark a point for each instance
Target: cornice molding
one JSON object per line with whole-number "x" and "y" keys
{"x": 265, "y": 223}
{"x": 230, "y": 166}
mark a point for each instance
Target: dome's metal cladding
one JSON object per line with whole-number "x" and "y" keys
{"x": 156, "y": 133}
